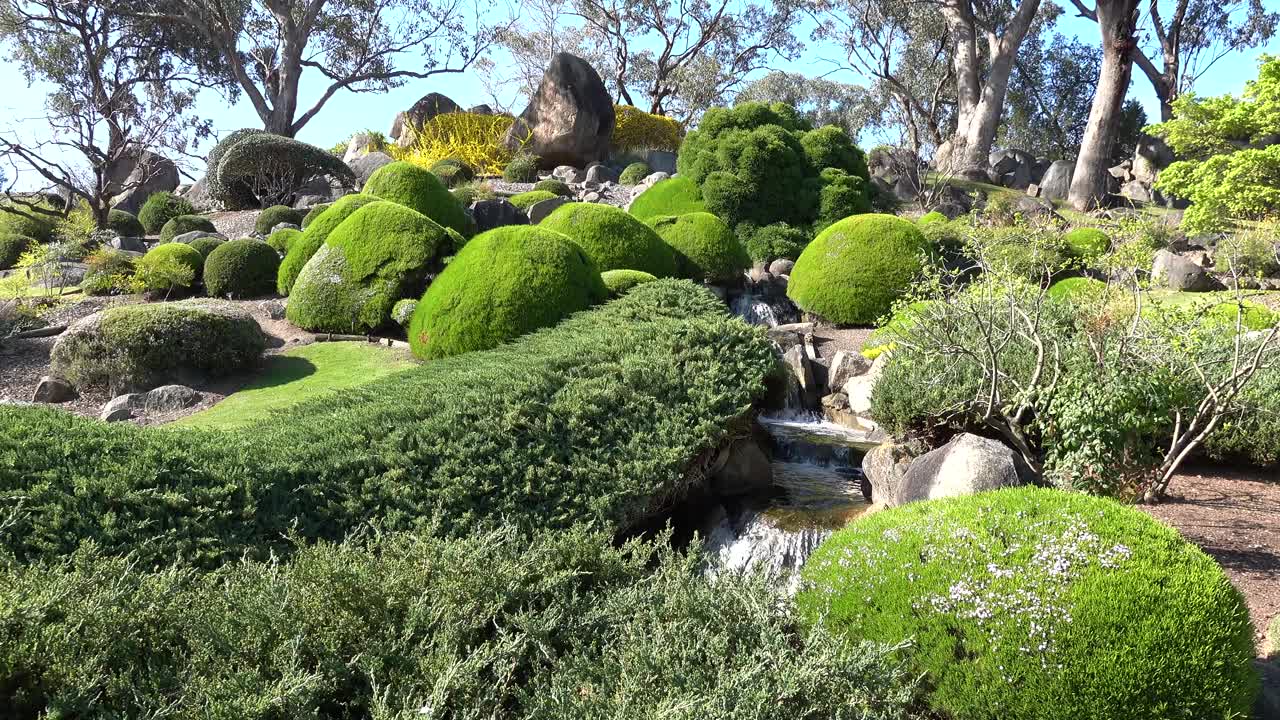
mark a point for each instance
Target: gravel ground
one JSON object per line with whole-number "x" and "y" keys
{"x": 234, "y": 223}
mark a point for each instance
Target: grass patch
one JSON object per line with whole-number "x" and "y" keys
{"x": 300, "y": 374}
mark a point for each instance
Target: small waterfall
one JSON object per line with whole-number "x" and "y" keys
{"x": 755, "y": 310}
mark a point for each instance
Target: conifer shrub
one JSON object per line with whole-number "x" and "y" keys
{"x": 841, "y": 195}
{"x": 314, "y": 212}
{"x": 241, "y": 269}
{"x": 205, "y": 245}
{"x": 505, "y": 283}
{"x": 1035, "y": 603}
{"x": 1086, "y": 243}
{"x": 282, "y": 239}
{"x": 618, "y": 282}
{"x": 126, "y": 224}
{"x": 184, "y": 224}
{"x": 12, "y": 247}
{"x": 381, "y": 253}
{"x": 673, "y": 196}
{"x": 160, "y": 208}
{"x": 854, "y": 270}
{"x": 418, "y": 189}
{"x": 156, "y": 267}
{"x": 705, "y": 248}
{"x": 773, "y": 242}
{"x": 273, "y": 216}
{"x": 612, "y": 238}
{"x": 232, "y": 193}
{"x": 553, "y": 185}
{"x": 526, "y": 200}
{"x": 634, "y": 173}
{"x": 522, "y": 168}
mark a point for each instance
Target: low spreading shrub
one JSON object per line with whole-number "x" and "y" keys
{"x": 526, "y": 200}
{"x": 854, "y": 270}
{"x": 12, "y": 247}
{"x": 673, "y": 196}
{"x": 418, "y": 189}
{"x": 110, "y": 272}
{"x": 282, "y": 239}
{"x": 1086, "y": 243}
{"x": 553, "y": 185}
{"x": 1033, "y": 603}
{"x": 453, "y": 172}
{"x": 705, "y": 248}
{"x": 522, "y": 168}
{"x": 635, "y": 130}
{"x": 184, "y": 224}
{"x": 613, "y": 239}
{"x": 241, "y": 268}
{"x": 172, "y": 267}
{"x": 773, "y": 242}
{"x": 1249, "y": 252}
{"x": 618, "y": 282}
{"x": 314, "y": 212}
{"x": 634, "y": 173}
{"x": 268, "y": 219}
{"x": 505, "y": 283}
{"x": 160, "y": 208}
{"x": 125, "y": 223}
{"x": 1250, "y": 432}
{"x": 132, "y": 347}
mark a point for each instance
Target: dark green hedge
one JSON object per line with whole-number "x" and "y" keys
{"x": 160, "y": 208}
{"x": 241, "y": 268}
{"x": 125, "y": 223}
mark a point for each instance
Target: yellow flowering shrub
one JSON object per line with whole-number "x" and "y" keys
{"x": 473, "y": 138}
{"x": 635, "y": 129}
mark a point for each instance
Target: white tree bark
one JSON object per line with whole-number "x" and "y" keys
{"x": 1117, "y": 20}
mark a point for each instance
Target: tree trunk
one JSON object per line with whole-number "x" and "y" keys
{"x": 1117, "y": 20}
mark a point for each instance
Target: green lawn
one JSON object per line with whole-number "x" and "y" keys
{"x": 300, "y": 374}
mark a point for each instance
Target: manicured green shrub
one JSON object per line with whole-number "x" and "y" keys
{"x": 125, "y": 223}
{"x": 300, "y": 253}
{"x": 773, "y": 242}
{"x": 1077, "y": 289}
{"x": 418, "y": 189}
{"x": 171, "y": 266}
{"x": 232, "y": 193}
{"x": 593, "y": 427}
{"x": 453, "y": 172}
{"x": 314, "y": 212}
{"x": 618, "y": 282}
{"x": 12, "y": 247}
{"x": 526, "y": 200}
{"x": 1251, "y": 315}
{"x": 505, "y": 283}
{"x": 931, "y": 218}
{"x": 831, "y": 147}
{"x": 635, "y": 130}
{"x": 142, "y": 346}
{"x": 841, "y": 195}
{"x": 27, "y": 224}
{"x": 613, "y": 239}
{"x": 673, "y": 196}
{"x": 552, "y": 185}
{"x": 1033, "y": 603}
{"x": 339, "y": 211}
{"x": 160, "y": 208}
{"x": 272, "y": 168}
{"x": 522, "y": 168}
{"x": 381, "y": 253}
{"x": 854, "y": 270}
{"x": 205, "y": 245}
{"x": 705, "y": 248}
{"x": 282, "y": 239}
{"x": 273, "y": 216}
{"x": 184, "y": 224}
{"x": 1086, "y": 243}
{"x": 634, "y": 173}
{"x": 241, "y": 268}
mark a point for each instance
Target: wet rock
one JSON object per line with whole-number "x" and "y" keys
{"x": 743, "y": 469}
{"x": 52, "y": 389}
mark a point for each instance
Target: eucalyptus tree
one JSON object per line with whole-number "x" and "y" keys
{"x": 819, "y": 100}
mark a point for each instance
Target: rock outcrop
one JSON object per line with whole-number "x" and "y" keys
{"x": 570, "y": 118}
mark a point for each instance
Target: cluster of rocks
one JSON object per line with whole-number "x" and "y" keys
{"x": 1192, "y": 266}
{"x": 901, "y": 473}
{"x": 1130, "y": 182}
{"x": 839, "y": 387}
{"x": 160, "y": 401}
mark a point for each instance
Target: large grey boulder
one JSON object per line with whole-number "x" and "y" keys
{"x": 1012, "y": 168}
{"x": 147, "y": 173}
{"x": 357, "y": 146}
{"x": 661, "y": 161}
{"x": 429, "y": 106}
{"x": 540, "y": 210}
{"x": 600, "y": 173}
{"x": 570, "y": 118}
{"x": 366, "y": 165}
{"x": 1150, "y": 157}
{"x": 490, "y": 214}
{"x": 1180, "y": 272}
{"x": 885, "y": 467}
{"x": 1056, "y": 182}
{"x": 967, "y": 465}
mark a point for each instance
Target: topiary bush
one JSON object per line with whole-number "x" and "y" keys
{"x": 205, "y": 245}
{"x": 233, "y": 193}
{"x": 453, "y": 172}
{"x": 618, "y": 282}
{"x": 854, "y": 270}
{"x": 281, "y": 239}
{"x": 705, "y": 248}
{"x": 773, "y": 242}
{"x": 160, "y": 208}
{"x": 126, "y": 224}
{"x": 553, "y": 185}
{"x": 257, "y": 169}
{"x": 1033, "y": 603}
{"x": 634, "y": 174}
{"x": 314, "y": 212}
{"x": 526, "y": 200}
{"x": 297, "y": 258}
{"x": 184, "y": 224}
{"x": 241, "y": 269}
{"x": 170, "y": 267}
{"x": 273, "y": 216}
{"x": 522, "y": 168}
{"x": 1077, "y": 289}
{"x": 134, "y": 347}
{"x": 503, "y": 284}
{"x": 1086, "y": 243}
{"x": 12, "y": 247}
{"x": 673, "y": 196}
{"x": 420, "y": 190}
{"x": 381, "y": 253}
{"x": 613, "y": 239}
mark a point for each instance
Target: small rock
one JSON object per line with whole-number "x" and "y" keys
{"x": 568, "y": 174}
{"x": 885, "y": 467}
{"x": 53, "y": 390}
{"x": 273, "y": 308}
{"x": 591, "y": 197}
{"x": 187, "y": 237}
{"x": 166, "y": 399}
{"x": 844, "y": 367}
{"x": 128, "y": 243}
{"x": 599, "y": 173}
{"x": 540, "y": 210}
{"x": 654, "y": 178}
{"x": 781, "y": 266}
{"x": 118, "y": 409}
{"x": 283, "y": 226}
{"x": 860, "y": 387}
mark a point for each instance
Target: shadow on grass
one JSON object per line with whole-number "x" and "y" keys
{"x": 281, "y": 370}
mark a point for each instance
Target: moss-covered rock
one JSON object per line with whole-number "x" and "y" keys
{"x": 160, "y": 208}
{"x": 706, "y": 249}
{"x": 526, "y": 200}
{"x": 380, "y": 254}
{"x": 503, "y": 284}
{"x": 125, "y": 223}
{"x": 273, "y": 216}
{"x": 241, "y": 268}
{"x": 12, "y": 246}
{"x": 417, "y": 188}
{"x": 613, "y": 239}
{"x": 618, "y": 282}
{"x": 673, "y": 196}
{"x": 854, "y": 270}
{"x": 184, "y": 224}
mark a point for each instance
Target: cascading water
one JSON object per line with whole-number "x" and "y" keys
{"x": 755, "y": 310}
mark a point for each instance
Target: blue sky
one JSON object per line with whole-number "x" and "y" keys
{"x": 348, "y": 112}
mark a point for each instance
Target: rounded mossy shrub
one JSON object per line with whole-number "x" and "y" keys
{"x": 241, "y": 268}
{"x": 273, "y": 216}
{"x": 526, "y": 200}
{"x": 418, "y": 189}
{"x": 553, "y": 185}
{"x": 673, "y": 196}
{"x": 333, "y": 216}
{"x": 504, "y": 283}
{"x": 12, "y": 247}
{"x": 157, "y": 268}
{"x": 283, "y": 238}
{"x": 634, "y": 173}
{"x": 1076, "y": 289}
{"x": 620, "y": 281}
{"x": 380, "y": 254}
{"x": 705, "y": 247}
{"x": 184, "y": 224}
{"x": 854, "y": 270}
{"x": 931, "y": 218}
{"x": 1086, "y": 243}
{"x": 1040, "y": 604}
{"x": 314, "y": 212}
{"x": 205, "y": 245}
{"x": 1251, "y": 315}
{"x": 778, "y": 241}
{"x": 613, "y": 239}
{"x": 522, "y": 168}
{"x": 125, "y": 223}
{"x": 300, "y": 253}
{"x": 160, "y": 208}
{"x": 453, "y": 172}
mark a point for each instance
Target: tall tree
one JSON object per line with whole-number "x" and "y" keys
{"x": 120, "y": 86}
{"x": 354, "y": 45}
{"x": 1050, "y": 93}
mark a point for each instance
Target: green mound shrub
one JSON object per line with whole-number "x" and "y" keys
{"x": 612, "y": 238}
{"x": 552, "y": 185}
{"x": 280, "y": 240}
{"x": 170, "y": 267}
{"x": 326, "y": 221}
{"x": 831, "y": 147}
{"x": 272, "y": 169}
{"x": 184, "y": 224}
{"x": 418, "y": 189}
{"x": 599, "y": 434}
{"x": 381, "y": 253}
{"x": 273, "y": 216}
{"x": 205, "y": 245}
{"x": 505, "y": 283}
{"x": 1086, "y": 243}
{"x": 12, "y": 247}
{"x": 673, "y": 196}
{"x": 522, "y": 168}
{"x": 302, "y": 250}
{"x": 453, "y": 172}
{"x": 408, "y": 621}
{"x": 1077, "y": 289}
{"x": 1251, "y": 315}
{"x": 526, "y": 200}
{"x": 125, "y": 223}
{"x": 131, "y": 347}
{"x": 314, "y": 212}
{"x": 474, "y": 191}
{"x": 773, "y": 242}
{"x": 854, "y": 270}
{"x": 618, "y": 282}
{"x": 241, "y": 269}
{"x": 110, "y": 272}
{"x": 27, "y": 224}
{"x": 705, "y": 247}
{"x": 841, "y": 195}
{"x": 932, "y": 217}
{"x": 1034, "y": 603}
{"x": 634, "y": 173}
